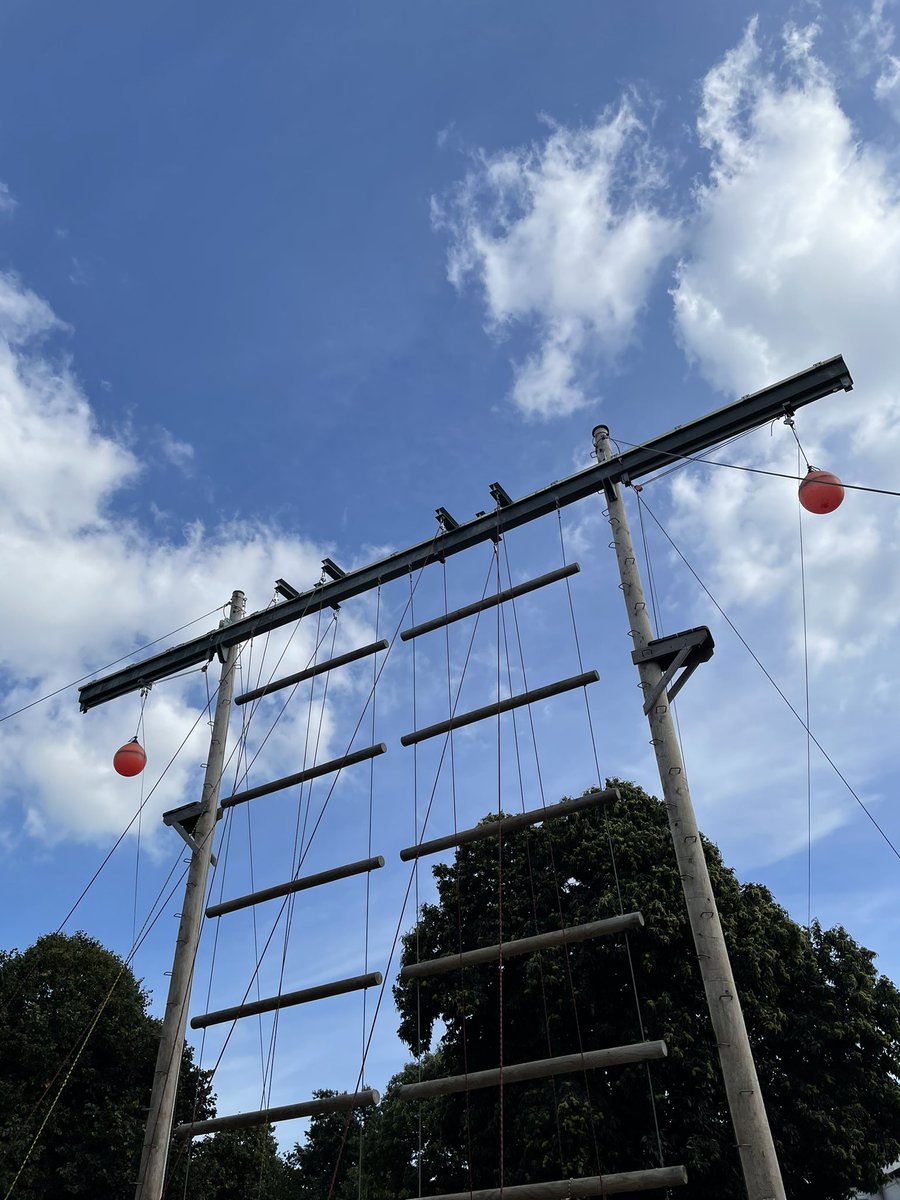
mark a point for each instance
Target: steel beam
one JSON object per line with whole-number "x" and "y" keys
{"x": 683, "y": 441}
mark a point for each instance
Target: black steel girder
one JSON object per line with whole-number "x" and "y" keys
{"x": 681, "y": 442}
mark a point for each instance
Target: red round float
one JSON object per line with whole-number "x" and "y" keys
{"x": 820, "y": 491}
{"x": 130, "y": 759}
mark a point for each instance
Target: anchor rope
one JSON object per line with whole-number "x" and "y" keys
{"x": 775, "y": 685}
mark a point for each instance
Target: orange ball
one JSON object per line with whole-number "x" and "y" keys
{"x": 130, "y": 759}
{"x": 820, "y": 492}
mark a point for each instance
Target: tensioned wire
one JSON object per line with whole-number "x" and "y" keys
{"x": 269, "y": 1070}
{"x": 414, "y": 868}
{"x": 96, "y": 671}
{"x": 772, "y": 681}
{"x": 527, "y": 844}
{"x": 314, "y": 830}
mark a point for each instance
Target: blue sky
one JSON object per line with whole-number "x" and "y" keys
{"x": 277, "y": 283}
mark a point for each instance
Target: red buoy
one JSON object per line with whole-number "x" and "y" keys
{"x": 130, "y": 759}
{"x": 820, "y": 491}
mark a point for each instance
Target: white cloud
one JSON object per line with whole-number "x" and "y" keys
{"x": 795, "y": 256}
{"x": 565, "y": 237}
{"x": 23, "y": 315}
{"x": 82, "y": 585}
{"x": 7, "y": 201}
{"x": 872, "y": 42}
{"x": 179, "y": 454}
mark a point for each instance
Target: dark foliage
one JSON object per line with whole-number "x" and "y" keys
{"x": 824, "y": 1024}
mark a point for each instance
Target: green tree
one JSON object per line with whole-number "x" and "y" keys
{"x": 824, "y": 1024}
{"x": 240, "y": 1164}
{"x": 74, "y": 1085}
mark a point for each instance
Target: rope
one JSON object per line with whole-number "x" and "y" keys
{"x": 771, "y": 680}
{"x": 96, "y": 671}
{"x": 686, "y": 458}
{"x": 359, "y": 1169}
{"x": 139, "y": 735}
{"x": 806, "y": 697}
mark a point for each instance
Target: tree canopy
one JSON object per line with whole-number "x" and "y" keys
{"x": 77, "y": 1057}
{"x": 825, "y": 1027}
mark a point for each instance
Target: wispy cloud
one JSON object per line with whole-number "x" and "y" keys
{"x": 565, "y": 238}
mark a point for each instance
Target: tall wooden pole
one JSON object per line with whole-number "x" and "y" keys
{"x": 762, "y": 1174}
{"x": 151, "y": 1177}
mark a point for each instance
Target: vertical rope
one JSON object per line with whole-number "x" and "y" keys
{"x": 800, "y": 456}
{"x": 612, "y": 851}
{"x": 500, "y": 862}
{"x": 362, "y": 1120}
{"x": 459, "y": 929}
{"x": 415, "y": 750}
{"x": 141, "y": 735}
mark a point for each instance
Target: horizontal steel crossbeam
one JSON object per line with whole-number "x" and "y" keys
{"x": 685, "y": 440}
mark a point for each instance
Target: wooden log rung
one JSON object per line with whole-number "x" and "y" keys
{"x": 500, "y": 706}
{"x": 296, "y": 885}
{"x": 326, "y": 768}
{"x": 286, "y": 1112}
{"x": 542, "y": 1068}
{"x": 287, "y": 1000}
{"x": 341, "y": 660}
{"x": 617, "y": 1184}
{"x": 489, "y": 829}
{"x": 529, "y": 945}
{"x": 469, "y": 610}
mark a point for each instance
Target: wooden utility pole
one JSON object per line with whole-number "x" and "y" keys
{"x": 759, "y": 1162}
{"x": 151, "y": 1177}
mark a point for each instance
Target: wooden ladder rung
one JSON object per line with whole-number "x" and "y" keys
{"x": 469, "y": 610}
{"x": 296, "y": 885}
{"x": 594, "y": 1185}
{"x": 493, "y": 829}
{"x": 310, "y": 672}
{"x": 326, "y": 768}
{"x": 540, "y": 941}
{"x": 500, "y": 706}
{"x": 286, "y": 1112}
{"x": 287, "y": 1000}
{"x": 542, "y": 1068}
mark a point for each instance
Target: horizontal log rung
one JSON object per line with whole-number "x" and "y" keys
{"x": 500, "y": 706}
{"x": 469, "y": 610}
{"x": 296, "y": 885}
{"x": 529, "y": 945}
{"x": 341, "y": 660}
{"x": 326, "y": 768}
{"x": 321, "y": 991}
{"x": 286, "y": 1112}
{"x": 543, "y": 1068}
{"x": 505, "y": 825}
{"x": 617, "y": 1184}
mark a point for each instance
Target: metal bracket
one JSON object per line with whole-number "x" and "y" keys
{"x": 688, "y": 650}
{"x": 184, "y": 821}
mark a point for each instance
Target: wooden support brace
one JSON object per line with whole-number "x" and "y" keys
{"x": 541, "y": 1068}
{"x": 320, "y": 992}
{"x": 326, "y": 768}
{"x": 286, "y": 1112}
{"x": 520, "y": 589}
{"x": 500, "y": 706}
{"x": 595, "y": 1185}
{"x": 296, "y": 885}
{"x": 500, "y": 828}
{"x": 310, "y": 672}
{"x": 540, "y": 941}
